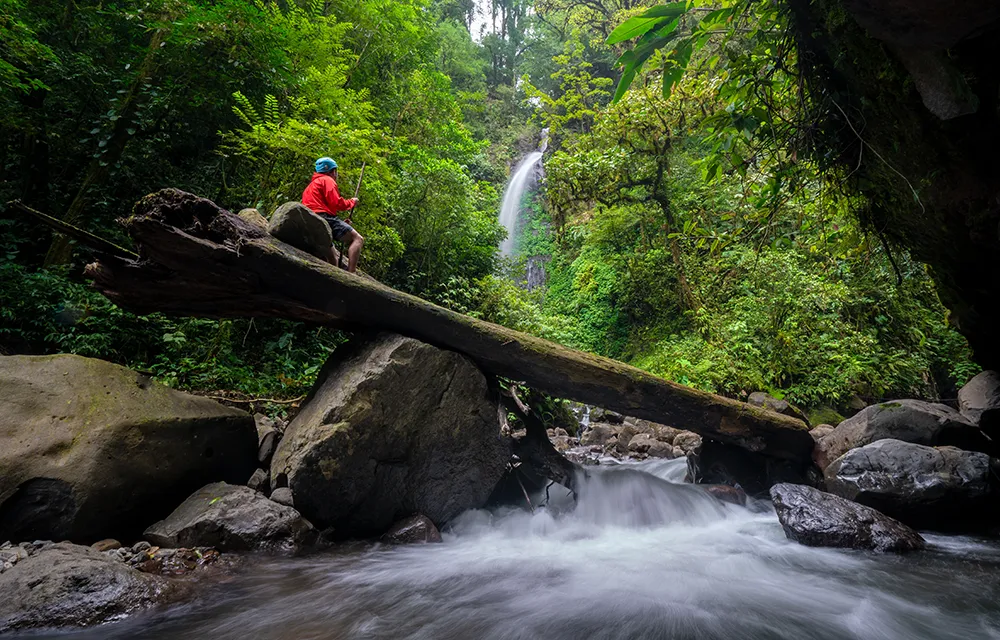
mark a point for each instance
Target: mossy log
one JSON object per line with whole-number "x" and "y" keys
{"x": 200, "y": 260}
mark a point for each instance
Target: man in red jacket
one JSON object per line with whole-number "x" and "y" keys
{"x": 323, "y": 197}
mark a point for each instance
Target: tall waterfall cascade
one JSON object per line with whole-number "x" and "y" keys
{"x": 522, "y": 179}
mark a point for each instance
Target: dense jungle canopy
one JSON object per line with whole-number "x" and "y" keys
{"x": 739, "y": 195}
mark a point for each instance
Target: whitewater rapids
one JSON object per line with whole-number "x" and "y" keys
{"x": 641, "y": 556}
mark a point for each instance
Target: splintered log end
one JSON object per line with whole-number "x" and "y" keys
{"x": 196, "y": 216}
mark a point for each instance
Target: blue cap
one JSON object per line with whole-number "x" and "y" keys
{"x": 325, "y": 165}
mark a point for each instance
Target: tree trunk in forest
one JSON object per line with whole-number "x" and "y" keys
{"x": 100, "y": 166}
{"x": 199, "y": 260}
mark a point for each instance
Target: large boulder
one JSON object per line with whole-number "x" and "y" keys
{"x": 979, "y": 401}
{"x": 68, "y": 585}
{"x": 940, "y": 488}
{"x": 908, "y": 420}
{"x": 817, "y": 519}
{"x": 393, "y": 427}
{"x": 295, "y": 224}
{"x": 232, "y": 518}
{"x": 91, "y": 450}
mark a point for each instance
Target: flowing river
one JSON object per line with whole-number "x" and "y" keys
{"x": 641, "y": 556}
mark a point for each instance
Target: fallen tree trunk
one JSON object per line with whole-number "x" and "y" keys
{"x": 199, "y": 260}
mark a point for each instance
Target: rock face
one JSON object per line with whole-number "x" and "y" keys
{"x": 295, "y": 224}
{"x": 908, "y": 420}
{"x": 817, "y": 519}
{"x": 232, "y": 518}
{"x": 91, "y": 450}
{"x": 412, "y": 530}
{"x": 393, "y": 427}
{"x": 940, "y": 488}
{"x": 979, "y": 401}
{"x": 68, "y": 585}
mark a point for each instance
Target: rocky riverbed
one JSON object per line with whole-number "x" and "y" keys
{"x": 608, "y": 526}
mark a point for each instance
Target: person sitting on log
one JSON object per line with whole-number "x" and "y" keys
{"x": 324, "y": 199}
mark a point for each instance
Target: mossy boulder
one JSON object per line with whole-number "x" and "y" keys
{"x": 393, "y": 427}
{"x": 916, "y": 421}
{"x": 91, "y": 450}
{"x": 295, "y": 224}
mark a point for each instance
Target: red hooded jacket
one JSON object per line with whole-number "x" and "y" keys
{"x": 322, "y": 196}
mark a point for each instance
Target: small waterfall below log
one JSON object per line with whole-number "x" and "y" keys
{"x": 521, "y": 179}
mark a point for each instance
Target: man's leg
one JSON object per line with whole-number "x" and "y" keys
{"x": 355, "y": 242}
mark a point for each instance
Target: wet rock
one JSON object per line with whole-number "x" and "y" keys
{"x": 108, "y": 544}
{"x": 560, "y": 432}
{"x": 979, "y": 401}
{"x": 394, "y": 427}
{"x": 908, "y": 420}
{"x": 283, "y": 496}
{"x": 726, "y": 493}
{"x": 174, "y": 562}
{"x": 296, "y": 225}
{"x": 817, "y": 519}
{"x": 91, "y": 450}
{"x": 232, "y": 518}
{"x": 65, "y": 585}
{"x": 412, "y": 530}
{"x": 761, "y": 399}
{"x": 260, "y": 481}
{"x": 941, "y": 488}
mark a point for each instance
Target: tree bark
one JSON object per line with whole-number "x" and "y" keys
{"x": 199, "y": 260}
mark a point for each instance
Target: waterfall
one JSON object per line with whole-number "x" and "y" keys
{"x": 520, "y": 181}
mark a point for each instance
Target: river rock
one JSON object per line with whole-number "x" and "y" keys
{"x": 817, "y": 519}
{"x": 295, "y": 224}
{"x": 908, "y": 420}
{"x": 393, "y": 427}
{"x": 604, "y": 415}
{"x": 688, "y": 442}
{"x": 647, "y": 444}
{"x": 65, "y": 585}
{"x": 412, "y": 530}
{"x": 941, "y": 488}
{"x": 979, "y": 401}
{"x": 232, "y": 518}
{"x": 598, "y": 434}
{"x": 91, "y": 450}
{"x": 283, "y": 495}
{"x": 260, "y": 481}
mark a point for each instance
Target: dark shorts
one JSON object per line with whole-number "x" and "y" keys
{"x": 337, "y": 226}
